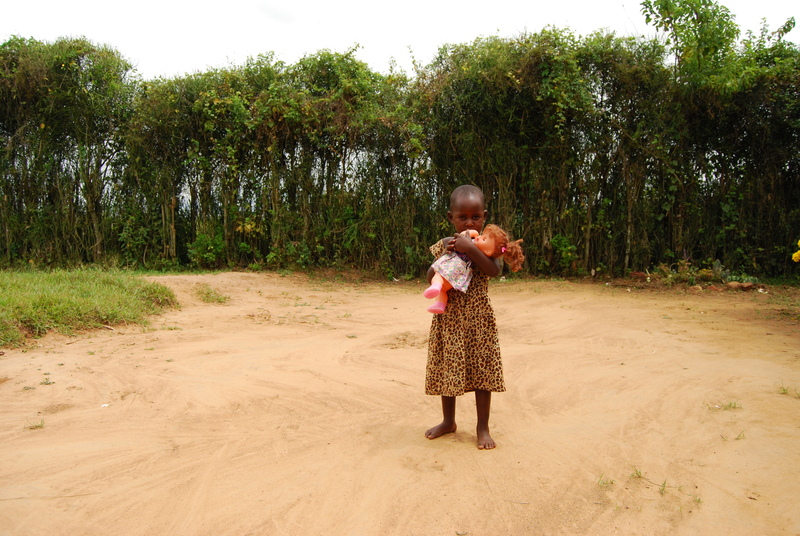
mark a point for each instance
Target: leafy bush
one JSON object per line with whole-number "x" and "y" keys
{"x": 207, "y": 251}
{"x": 566, "y": 254}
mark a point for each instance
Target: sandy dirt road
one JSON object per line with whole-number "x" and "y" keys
{"x": 297, "y": 407}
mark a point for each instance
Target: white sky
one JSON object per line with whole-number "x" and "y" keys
{"x": 174, "y": 37}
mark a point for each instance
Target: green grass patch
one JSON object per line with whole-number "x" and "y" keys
{"x": 34, "y": 303}
{"x": 209, "y": 294}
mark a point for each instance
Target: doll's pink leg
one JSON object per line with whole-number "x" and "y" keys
{"x": 436, "y": 287}
{"x": 437, "y": 308}
{"x": 441, "y": 301}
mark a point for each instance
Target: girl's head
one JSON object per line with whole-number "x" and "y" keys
{"x": 502, "y": 246}
{"x": 467, "y": 210}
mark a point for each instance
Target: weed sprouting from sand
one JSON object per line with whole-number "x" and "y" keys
{"x": 663, "y": 487}
{"x": 727, "y": 406}
{"x": 46, "y": 381}
{"x": 737, "y": 438}
{"x": 36, "y": 425}
{"x": 786, "y": 390}
{"x": 605, "y": 482}
{"x": 208, "y": 294}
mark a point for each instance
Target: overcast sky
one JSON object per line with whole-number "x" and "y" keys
{"x": 170, "y": 38}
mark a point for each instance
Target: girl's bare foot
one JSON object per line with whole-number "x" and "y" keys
{"x": 440, "y": 430}
{"x": 485, "y": 441}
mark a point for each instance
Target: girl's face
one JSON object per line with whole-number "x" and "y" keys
{"x": 467, "y": 213}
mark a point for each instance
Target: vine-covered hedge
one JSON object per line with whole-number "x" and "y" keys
{"x": 603, "y": 153}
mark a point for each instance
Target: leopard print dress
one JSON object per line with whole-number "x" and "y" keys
{"x": 463, "y": 348}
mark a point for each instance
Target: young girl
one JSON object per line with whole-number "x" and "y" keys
{"x": 463, "y": 348}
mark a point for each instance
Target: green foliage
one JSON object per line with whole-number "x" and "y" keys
{"x": 34, "y": 303}
{"x": 565, "y": 254}
{"x": 133, "y": 241}
{"x": 685, "y": 273}
{"x": 600, "y": 152}
{"x": 207, "y": 251}
{"x": 10, "y": 334}
{"x": 702, "y": 34}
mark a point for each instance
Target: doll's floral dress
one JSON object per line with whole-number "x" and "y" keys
{"x": 456, "y": 268}
{"x": 463, "y": 347}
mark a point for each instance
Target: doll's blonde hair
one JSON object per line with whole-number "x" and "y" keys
{"x": 511, "y": 252}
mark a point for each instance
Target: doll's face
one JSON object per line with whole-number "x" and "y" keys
{"x": 486, "y": 244}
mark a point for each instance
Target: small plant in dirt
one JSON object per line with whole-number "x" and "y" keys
{"x": 663, "y": 487}
{"x": 725, "y": 406}
{"x": 604, "y": 482}
{"x": 36, "y": 425}
{"x": 208, "y": 294}
{"x": 786, "y": 390}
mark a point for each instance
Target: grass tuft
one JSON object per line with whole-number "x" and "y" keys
{"x": 36, "y": 425}
{"x": 35, "y": 303}
{"x": 604, "y": 482}
{"x": 208, "y": 294}
{"x": 725, "y": 406}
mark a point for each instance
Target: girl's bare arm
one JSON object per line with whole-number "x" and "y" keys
{"x": 485, "y": 264}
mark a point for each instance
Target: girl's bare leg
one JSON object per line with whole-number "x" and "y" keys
{"x": 448, "y": 424}
{"x": 483, "y": 404}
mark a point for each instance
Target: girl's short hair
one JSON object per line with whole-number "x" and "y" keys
{"x": 466, "y": 191}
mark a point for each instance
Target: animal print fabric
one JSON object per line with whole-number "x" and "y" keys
{"x": 463, "y": 347}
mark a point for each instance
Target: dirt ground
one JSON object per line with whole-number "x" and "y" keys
{"x": 297, "y": 407}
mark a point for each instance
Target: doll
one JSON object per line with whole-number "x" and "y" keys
{"x": 454, "y": 269}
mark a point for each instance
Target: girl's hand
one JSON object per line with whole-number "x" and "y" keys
{"x": 462, "y": 243}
